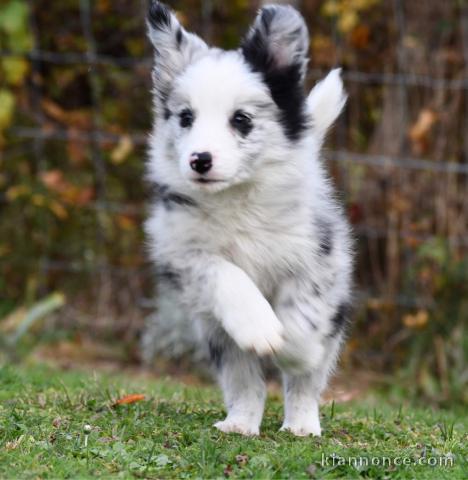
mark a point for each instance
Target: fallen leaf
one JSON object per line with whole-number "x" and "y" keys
{"x": 419, "y": 320}
{"x": 311, "y": 470}
{"x": 80, "y": 119}
{"x": 125, "y": 222}
{"x": 360, "y": 36}
{"x": 57, "y": 422}
{"x": 242, "y": 459}
{"x": 58, "y": 210}
{"x": 122, "y": 150}
{"x": 137, "y": 397}
{"x": 54, "y": 180}
{"x": 419, "y": 132}
{"x": 14, "y": 443}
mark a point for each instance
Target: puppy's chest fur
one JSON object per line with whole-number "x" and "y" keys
{"x": 268, "y": 243}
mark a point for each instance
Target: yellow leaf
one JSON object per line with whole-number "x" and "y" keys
{"x": 348, "y": 21}
{"x": 58, "y": 210}
{"x": 7, "y": 107}
{"x": 418, "y": 320}
{"x": 424, "y": 123}
{"x": 125, "y": 222}
{"x": 38, "y": 200}
{"x": 15, "y": 69}
{"x": 122, "y": 150}
{"x": 331, "y": 8}
{"x": 17, "y": 191}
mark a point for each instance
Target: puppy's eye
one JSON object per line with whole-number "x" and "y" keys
{"x": 186, "y": 118}
{"x": 242, "y": 122}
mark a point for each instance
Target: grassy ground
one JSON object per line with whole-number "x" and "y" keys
{"x": 169, "y": 434}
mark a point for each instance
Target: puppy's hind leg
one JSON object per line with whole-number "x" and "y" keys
{"x": 241, "y": 380}
{"x": 301, "y": 409}
{"x": 302, "y": 392}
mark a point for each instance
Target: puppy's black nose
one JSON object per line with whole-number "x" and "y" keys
{"x": 201, "y": 162}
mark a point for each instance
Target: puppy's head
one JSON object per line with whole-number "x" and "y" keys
{"x": 221, "y": 116}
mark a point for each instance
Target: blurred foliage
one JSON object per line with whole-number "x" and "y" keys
{"x": 72, "y": 203}
{"x": 437, "y": 342}
{"x": 347, "y": 12}
{"x": 15, "y": 37}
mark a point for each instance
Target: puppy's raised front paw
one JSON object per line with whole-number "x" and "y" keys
{"x": 257, "y": 328}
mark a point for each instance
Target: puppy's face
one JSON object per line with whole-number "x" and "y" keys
{"x": 221, "y": 115}
{"x": 219, "y": 118}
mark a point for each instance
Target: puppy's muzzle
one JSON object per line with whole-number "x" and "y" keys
{"x": 201, "y": 162}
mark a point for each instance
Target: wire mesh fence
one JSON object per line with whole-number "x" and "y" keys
{"x": 399, "y": 154}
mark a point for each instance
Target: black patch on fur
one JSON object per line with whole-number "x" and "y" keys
{"x": 288, "y": 303}
{"x": 316, "y": 289}
{"x": 216, "y": 352}
{"x": 312, "y": 324}
{"x": 170, "y": 199}
{"x": 309, "y": 321}
{"x": 325, "y": 246}
{"x": 285, "y": 83}
{"x": 341, "y": 318}
{"x": 326, "y": 242}
{"x": 167, "y": 114}
{"x": 325, "y": 234}
{"x": 159, "y": 16}
{"x": 169, "y": 275}
{"x": 176, "y": 198}
{"x": 268, "y": 14}
{"x": 179, "y": 37}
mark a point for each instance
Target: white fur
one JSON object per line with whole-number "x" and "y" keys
{"x": 244, "y": 312}
{"x": 325, "y": 102}
{"x": 248, "y": 250}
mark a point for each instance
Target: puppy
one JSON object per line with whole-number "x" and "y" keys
{"x": 250, "y": 242}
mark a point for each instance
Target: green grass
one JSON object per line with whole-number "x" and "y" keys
{"x": 170, "y": 435}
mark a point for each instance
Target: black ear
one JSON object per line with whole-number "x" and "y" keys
{"x": 174, "y": 47}
{"x": 277, "y": 46}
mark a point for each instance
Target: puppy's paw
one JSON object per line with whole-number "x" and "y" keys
{"x": 255, "y": 327}
{"x": 236, "y": 426}
{"x": 303, "y": 430}
{"x": 245, "y": 313}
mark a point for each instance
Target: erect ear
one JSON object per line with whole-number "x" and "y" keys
{"x": 325, "y": 102}
{"x": 277, "y": 46}
{"x": 174, "y": 47}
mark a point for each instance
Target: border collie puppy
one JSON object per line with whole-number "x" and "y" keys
{"x": 251, "y": 244}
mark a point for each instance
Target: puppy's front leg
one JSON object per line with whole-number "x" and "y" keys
{"x": 248, "y": 327}
{"x": 241, "y": 379}
{"x": 243, "y": 311}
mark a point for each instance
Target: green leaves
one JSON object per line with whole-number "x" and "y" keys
{"x": 7, "y": 106}
{"x": 14, "y": 69}
{"x": 14, "y": 25}
{"x": 15, "y": 36}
